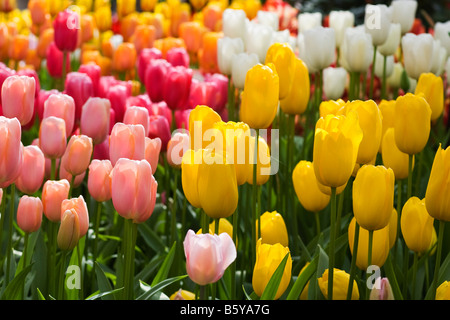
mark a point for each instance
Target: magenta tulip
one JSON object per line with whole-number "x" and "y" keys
{"x": 178, "y": 56}
{"x": 94, "y": 72}
{"x": 155, "y": 76}
{"x": 177, "y": 86}
{"x": 145, "y": 56}
{"x": 160, "y": 128}
{"x": 54, "y": 58}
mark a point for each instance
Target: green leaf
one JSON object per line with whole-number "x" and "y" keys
{"x": 164, "y": 270}
{"x": 103, "y": 294}
{"x": 271, "y": 289}
{"x": 161, "y": 285}
{"x": 302, "y": 280}
{"x": 102, "y": 280}
{"x": 14, "y": 290}
{"x": 40, "y": 295}
{"x": 151, "y": 238}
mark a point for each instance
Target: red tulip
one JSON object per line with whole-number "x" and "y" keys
{"x": 11, "y": 150}
{"x": 55, "y": 60}
{"x": 18, "y": 94}
{"x": 145, "y": 56}
{"x": 79, "y": 86}
{"x": 177, "y": 86}
{"x": 66, "y": 26}
{"x": 154, "y": 79}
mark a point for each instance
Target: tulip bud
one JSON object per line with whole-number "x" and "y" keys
{"x": 29, "y": 213}
{"x": 377, "y": 21}
{"x": 54, "y": 58}
{"x": 176, "y": 88}
{"x": 124, "y": 57}
{"x": 127, "y": 141}
{"x": 268, "y": 258}
{"x": 317, "y": 48}
{"x": 416, "y": 225}
{"x": 52, "y": 137}
{"x": 94, "y": 72}
{"x": 189, "y": 173}
{"x": 273, "y": 228}
{"x": 69, "y": 230}
{"x": 340, "y": 285}
{"x": 233, "y": 23}
{"x": 19, "y": 47}
{"x": 95, "y": 119}
{"x": 78, "y": 154}
{"x": 334, "y": 81}
{"x": 18, "y": 94}
{"x": 390, "y": 46}
{"x": 432, "y": 87}
{"x": 79, "y": 206}
{"x": 282, "y": 56}
{"x": 160, "y": 128}
{"x": 154, "y": 82}
{"x": 258, "y": 39}
{"x": 144, "y": 58}
{"x": 53, "y": 193}
{"x": 143, "y": 37}
{"x": 178, "y": 57}
{"x": 208, "y": 256}
{"x": 201, "y": 119}
{"x": 356, "y": 50}
{"x": 309, "y": 20}
{"x": 66, "y": 30}
{"x": 32, "y": 173}
{"x": 417, "y": 53}
{"x": 62, "y": 106}
{"x": 38, "y": 10}
{"x": 226, "y": 48}
{"x": 404, "y": 12}
{"x": 133, "y": 189}
{"x": 341, "y": 21}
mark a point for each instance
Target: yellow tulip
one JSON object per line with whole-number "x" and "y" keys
{"x": 443, "y": 291}
{"x": 263, "y": 164}
{"x": 412, "y": 123}
{"x": 224, "y": 226}
{"x": 198, "y": 4}
{"x": 217, "y": 185}
{"x": 340, "y": 285}
{"x": 437, "y": 197}
{"x": 369, "y": 116}
{"x": 336, "y": 143}
{"x": 307, "y": 189}
{"x": 103, "y": 18}
{"x": 182, "y": 295}
{"x": 201, "y": 119}
{"x": 282, "y": 56}
{"x": 327, "y": 190}
{"x": 273, "y": 228}
{"x": 148, "y": 5}
{"x": 416, "y": 225}
{"x": 387, "y": 108}
{"x": 296, "y": 100}
{"x": 373, "y": 196}
{"x": 432, "y": 87}
{"x": 259, "y": 99}
{"x": 304, "y": 294}
{"x": 125, "y": 7}
{"x": 268, "y": 258}
{"x": 189, "y": 173}
{"x": 380, "y": 245}
{"x": 393, "y": 158}
{"x": 330, "y": 107}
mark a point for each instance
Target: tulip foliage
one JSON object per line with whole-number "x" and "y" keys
{"x": 226, "y": 150}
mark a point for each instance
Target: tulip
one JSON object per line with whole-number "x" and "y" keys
{"x": 273, "y": 229}
{"x": 381, "y": 290}
{"x": 334, "y": 81}
{"x": 133, "y": 189}
{"x": 137, "y": 115}
{"x": 61, "y": 106}
{"x": 182, "y": 118}
{"x": 309, "y": 20}
{"x": 127, "y": 141}
{"x": 69, "y": 230}
{"x": 178, "y": 57}
{"x": 436, "y": 197}
{"x": 373, "y": 196}
{"x": 52, "y": 137}
{"x": 159, "y": 128}
{"x": 152, "y": 151}
{"x": 234, "y": 23}
{"x": 307, "y": 189}
{"x": 176, "y": 147}
{"x": 415, "y": 46}
{"x": 404, "y": 12}
{"x": 54, "y": 58}
{"x": 29, "y": 214}
{"x": 124, "y": 58}
{"x": 441, "y": 30}
{"x": 189, "y": 174}
{"x": 224, "y": 227}
{"x": 297, "y": 99}
{"x": 182, "y": 295}
{"x": 412, "y": 123}
{"x": 201, "y": 119}
{"x": 38, "y": 10}
{"x": 18, "y": 94}
{"x": 95, "y": 119}
{"x": 143, "y": 37}
{"x": 443, "y": 291}
{"x": 438, "y": 58}
{"x": 99, "y": 180}
{"x": 377, "y": 22}
{"x": 32, "y": 173}
{"x": 340, "y": 285}
{"x": 226, "y": 49}
{"x": 240, "y": 64}
{"x": 392, "y": 157}
{"x": 78, "y": 153}
{"x": 66, "y": 25}
{"x": 336, "y": 135}
{"x": 154, "y": 78}
{"x": 268, "y": 258}
{"x": 356, "y": 50}
{"x": 192, "y": 33}
{"x": 340, "y": 21}
{"x": 53, "y": 194}
{"x": 282, "y": 56}
{"x": 208, "y": 256}
{"x": 258, "y": 39}
{"x": 18, "y": 48}
{"x": 432, "y": 87}
{"x": 177, "y": 86}
{"x": 79, "y": 85}
{"x": 268, "y": 18}
{"x": 145, "y": 56}
{"x": 80, "y": 207}
{"x": 380, "y": 246}
{"x": 263, "y": 164}
{"x": 118, "y": 95}
{"x": 317, "y": 48}
{"x": 259, "y": 100}
{"x": 94, "y": 72}
{"x": 103, "y": 18}
{"x": 207, "y": 54}
{"x": 390, "y": 46}
{"x": 11, "y": 151}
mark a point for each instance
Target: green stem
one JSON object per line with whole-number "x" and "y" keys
{"x": 11, "y": 218}
{"x": 372, "y": 73}
{"x": 173, "y": 214}
{"x": 80, "y": 265}
{"x": 332, "y": 244}
{"x": 369, "y": 256}
{"x": 383, "y": 83}
{"x": 231, "y": 106}
{"x": 438, "y": 258}
{"x": 25, "y": 260}
{"x": 61, "y": 275}
{"x": 71, "y": 186}
{"x": 414, "y": 276}
{"x": 255, "y": 191}
{"x": 96, "y": 228}
{"x": 317, "y": 218}
{"x": 64, "y": 71}
{"x": 339, "y": 213}
{"x": 399, "y": 212}
{"x": 353, "y": 263}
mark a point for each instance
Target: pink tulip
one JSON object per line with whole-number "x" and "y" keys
{"x": 42, "y": 97}
{"x": 101, "y": 150}
{"x": 161, "y": 108}
{"x": 133, "y": 189}
{"x": 32, "y": 173}
{"x": 118, "y": 95}
{"x": 52, "y": 137}
{"x": 5, "y": 72}
{"x": 182, "y": 118}
{"x": 53, "y": 194}
{"x": 11, "y": 150}
{"x": 208, "y": 256}
{"x": 31, "y": 73}
{"x": 137, "y": 115}
{"x": 66, "y": 26}
{"x": 99, "y": 180}
{"x": 29, "y": 213}
{"x": 202, "y": 93}
{"x": 177, "y": 146}
{"x": 142, "y": 100}
{"x": 160, "y": 128}
{"x": 126, "y": 141}
{"x": 144, "y": 58}
{"x": 95, "y": 119}
{"x": 177, "y": 86}
{"x": 155, "y": 75}
{"x": 79, "y": 86}
{"x": 178, "y": 56}
{"x": 78, "y": 154}
{"x": 80, "y": 207}
{"x": 62, "y": 106}
{"x": 94, "y": 72}
{"x": 18, "y": 94}
{"x": 221, "y": 82}
{"x": 54, "y": 58}
{"x": 152, "y": 150}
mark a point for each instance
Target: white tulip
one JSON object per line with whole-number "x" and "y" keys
{"x": 309, "y": 20}
{"x": 395, "y": 79}
{"x": 404, "y": 12}
{"x": 284, "y": 36}
{"x": 240, "y": 64}
{"x": 390, "y": 46}
{"x": 441, "y": 32}
{"x": 357, "y": 50}
{"x": 269, "y": 19}
{"x": 233, "y": 23}
{"x": 447, "y": 67}
{"x": 334, "y": 81}
{"x": 226, "y": 48}
{"x": 258, "y": 39}
{"x": 317, "y": 48}
{"x": 377, "y": 22}
{"x": 438, "y": 59}
{"x": 340, "y": 21}
{"x": 379, "y": 65}
{"x": 417, "y": 53}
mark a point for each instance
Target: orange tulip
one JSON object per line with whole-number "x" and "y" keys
{"x": 143, "y": 37}
{"x": 192, "y": 34}
{"x": 124, "y": 57}
{"x": 45, "y": 39}
{"x": 168, "y": 43}
{"x": 212, "y": 16}
{"x": 207, "y": 54}
{"x": 38, "y": 10}
{"x": 17, "y": 49}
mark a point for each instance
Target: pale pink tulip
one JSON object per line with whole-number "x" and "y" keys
{"x": 29, "y": 213}
{"x": 11, "y": 150}
{"x": 152, "y": 150}
{"x": 62, "y": 106}
{"x": 52, "y": 137}
{"x": 32, "y": 173}
{"x": 99, "y": 180}
{"x": 53, "y": 194}
{"x": 137, "y": 115}
{"x": 18, "y": 93}
{"x": 126, "y": 141}
{"x": 80, "y": 207}
{"x": 96, "y": 118}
